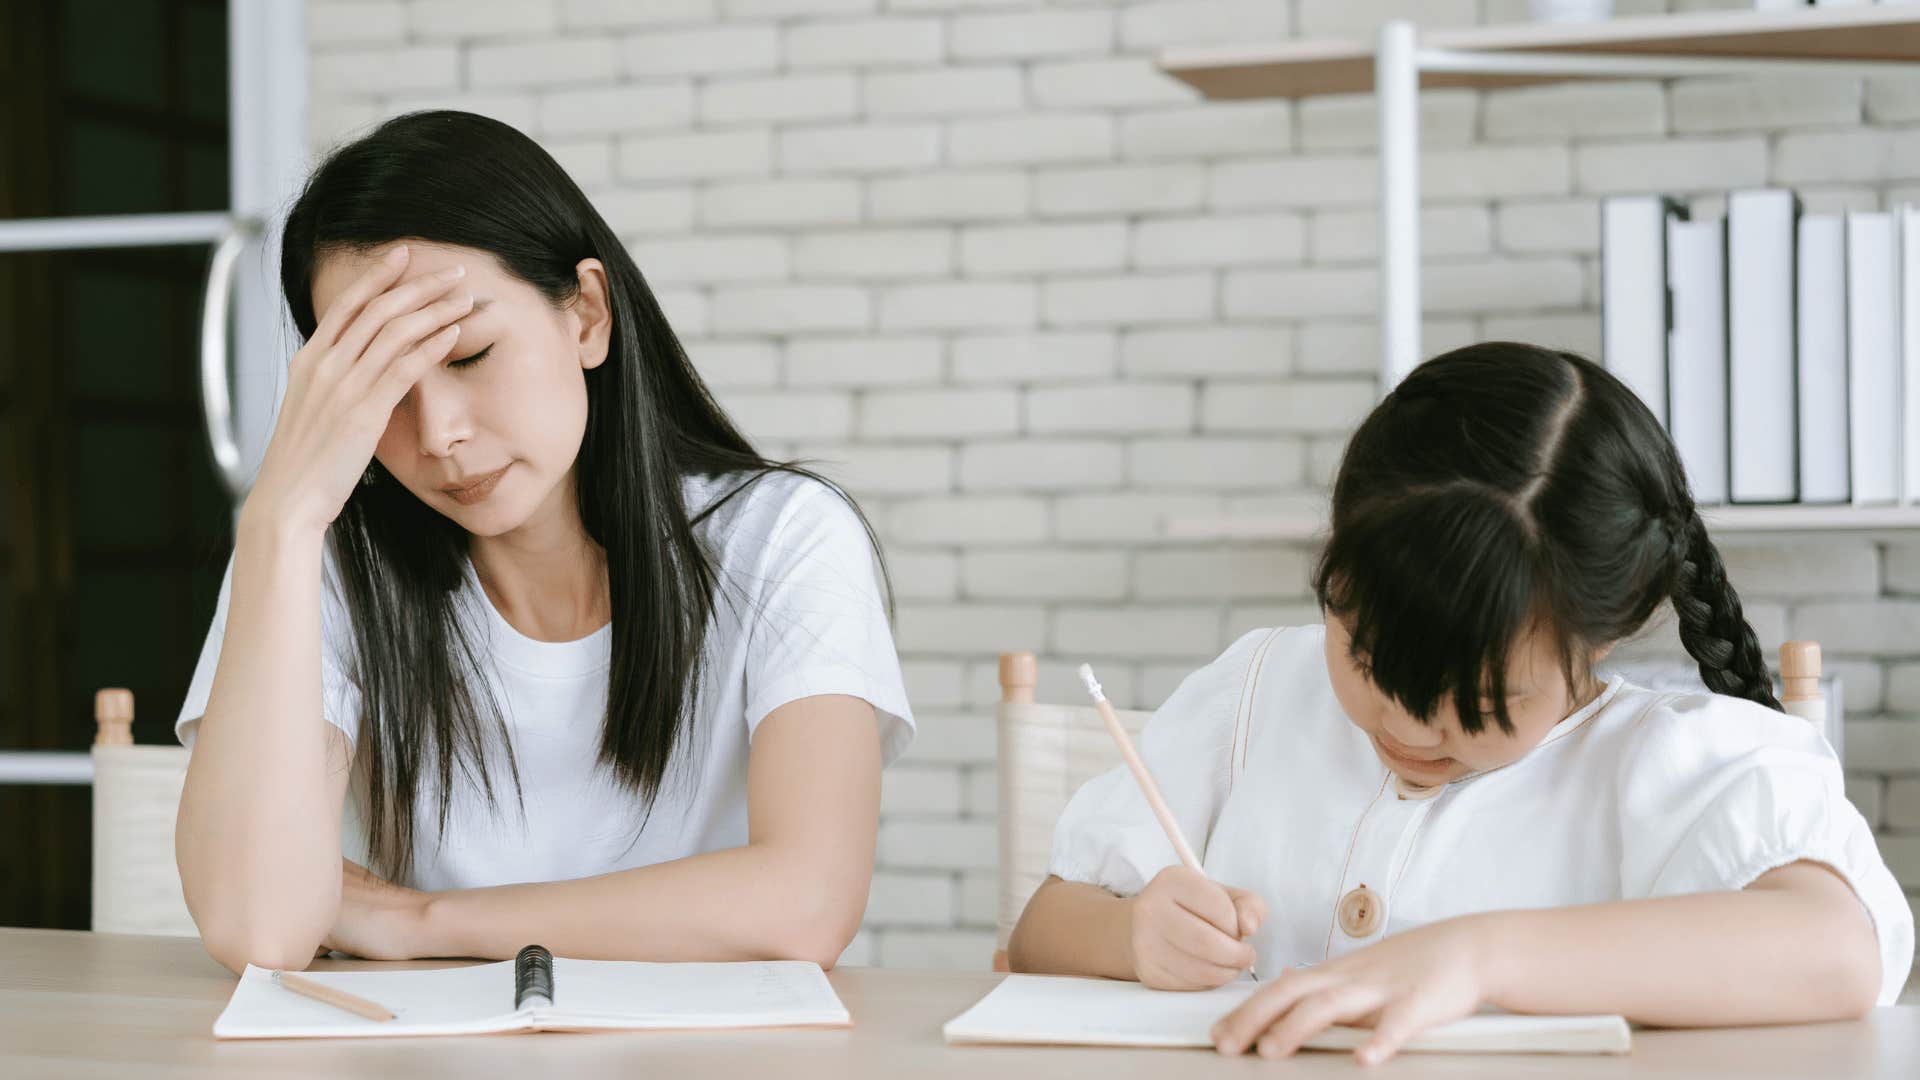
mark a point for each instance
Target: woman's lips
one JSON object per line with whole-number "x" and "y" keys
{"x": 479, "y": 489}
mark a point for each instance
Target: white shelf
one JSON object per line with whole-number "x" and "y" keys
{"x": 1852, "y": 42}
{"x": 1721, "y": 521}
{"x": 1738, "y": 519}
{"x": 1296, "y": 69}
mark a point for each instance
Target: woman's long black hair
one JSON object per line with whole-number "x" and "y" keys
{"x": 459, "y": 179}
{"x": 1502, "y": 487}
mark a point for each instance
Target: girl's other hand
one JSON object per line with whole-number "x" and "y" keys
{"x": 1399, "y": 987}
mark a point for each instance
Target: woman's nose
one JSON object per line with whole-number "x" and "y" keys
{"x": 441, "y": 417}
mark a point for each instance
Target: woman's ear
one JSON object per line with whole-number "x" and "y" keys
{"x": 592, "y": 314}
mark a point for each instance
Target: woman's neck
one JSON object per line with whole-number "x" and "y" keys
{"x": 547, "y": 578}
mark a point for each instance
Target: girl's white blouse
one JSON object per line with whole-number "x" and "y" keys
{"x": 1639, "y": 794}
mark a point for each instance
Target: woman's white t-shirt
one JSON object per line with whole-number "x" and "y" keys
{"x": 798, "y": 613}
{"x": 1639, "y": 794}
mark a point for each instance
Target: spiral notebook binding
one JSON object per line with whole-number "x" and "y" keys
{"x": 532, "y": 978}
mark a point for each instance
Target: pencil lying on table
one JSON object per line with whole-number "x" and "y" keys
{"x": 1142, "y": 777}
{"x": 339, "y": 999}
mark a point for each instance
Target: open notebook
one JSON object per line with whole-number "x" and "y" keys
{"x": 1047, "y": 1009}
{"x": 588, "y": 995}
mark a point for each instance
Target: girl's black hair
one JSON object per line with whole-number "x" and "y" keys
{"x": 458, "y": 179}
{"x": 1503, "y": 487}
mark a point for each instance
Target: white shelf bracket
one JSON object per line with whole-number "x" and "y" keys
{"x": 1396, "y": 77}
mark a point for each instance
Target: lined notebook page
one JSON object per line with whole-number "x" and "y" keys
{"x": 592, "y": 994}
{"x": 1045, "y": 1009}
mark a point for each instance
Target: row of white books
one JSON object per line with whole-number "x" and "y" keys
{"x": 1781, "y": 349}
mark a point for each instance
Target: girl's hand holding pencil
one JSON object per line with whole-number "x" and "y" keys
{"x": 1186, "y": 932}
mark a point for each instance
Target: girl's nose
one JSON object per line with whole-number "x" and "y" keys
{"x": 1403, "y": 728}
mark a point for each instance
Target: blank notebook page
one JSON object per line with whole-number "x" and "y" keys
{"x": 1100, "y": 1012}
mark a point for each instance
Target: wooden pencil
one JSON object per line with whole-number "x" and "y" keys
{"x": 339, "y": 999}
{"x": 1145, "y": 779}
{"x": 1140, "y": 774}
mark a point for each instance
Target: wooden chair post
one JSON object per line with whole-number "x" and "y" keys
{"x": 1019, "y": 671}
{"x": 1800, "y": 682}
{"x": 113, "y": 717}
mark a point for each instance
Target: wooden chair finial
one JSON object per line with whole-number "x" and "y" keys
{"x": 1019, "y": 671}
{"x": 113, "y": 717}
{"x": 1800, "y": 671}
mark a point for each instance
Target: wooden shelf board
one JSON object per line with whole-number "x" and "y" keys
{"x": 1296, "y": 69}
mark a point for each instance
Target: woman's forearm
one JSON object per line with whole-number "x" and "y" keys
{"x": 1794, "y": 947}
{"x": 746, "y": 903}
{"x": 258, "y": 831}
{"x": 1071, "y": 928}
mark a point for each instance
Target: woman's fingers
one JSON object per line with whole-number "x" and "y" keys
{"x": 404, "y": 334}
{"x": 394, "y": 382}
{"x": 347, "y": 306}
{"x": 402, "y": 299}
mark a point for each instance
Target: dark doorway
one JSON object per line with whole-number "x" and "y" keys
{"x": 114, "y": 528}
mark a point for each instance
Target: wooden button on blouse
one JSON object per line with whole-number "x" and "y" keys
{"x": 1360, "y": 912}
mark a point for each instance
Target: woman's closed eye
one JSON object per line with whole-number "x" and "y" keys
{"x": 469, "y": 361}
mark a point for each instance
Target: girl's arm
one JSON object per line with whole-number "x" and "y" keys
{"x": 1072, "y": 928}
{"x": 1795, "y": 946}
{"x": 258, "y": 834}
{"x": 797, "y": 890}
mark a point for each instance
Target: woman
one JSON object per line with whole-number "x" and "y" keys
{"x": 578, "y": 664}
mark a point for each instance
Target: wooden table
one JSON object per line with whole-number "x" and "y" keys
{"x": 101, "y": 1005}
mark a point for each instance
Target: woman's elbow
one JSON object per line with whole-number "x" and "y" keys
{"x": 820, "y": 931}
{"x": 263, "y": 931}
{"x": 235, "y": 948}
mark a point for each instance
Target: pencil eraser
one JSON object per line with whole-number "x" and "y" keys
{"x": 1092, "y": 684}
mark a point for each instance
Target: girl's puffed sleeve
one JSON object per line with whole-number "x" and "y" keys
{"x": 1108, "y": 835}
{"x": 1715, "y": 791}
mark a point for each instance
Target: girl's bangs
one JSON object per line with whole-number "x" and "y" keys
{"x": 1434, "y": 587}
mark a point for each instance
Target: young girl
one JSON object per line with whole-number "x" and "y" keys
{"x": 1433, "y": 803}
{"x": 513, "y": 597}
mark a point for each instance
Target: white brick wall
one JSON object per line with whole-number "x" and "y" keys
{"x": 1029, "y": 300}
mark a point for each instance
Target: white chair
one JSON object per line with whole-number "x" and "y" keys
{"x": 136, "y": 793}
{"x": 1045, "y": 753}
